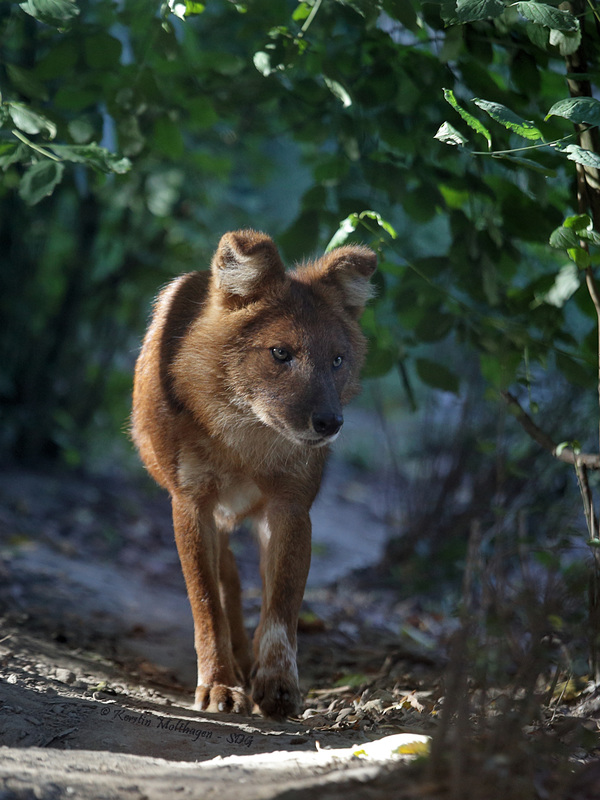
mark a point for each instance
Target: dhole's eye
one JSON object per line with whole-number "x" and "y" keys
{"x": 281, "y": 354}
{"x": 337, "y": 362}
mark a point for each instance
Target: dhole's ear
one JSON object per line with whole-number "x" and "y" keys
{"x": 245, "y": 264}
{"x": 350, "y": 267}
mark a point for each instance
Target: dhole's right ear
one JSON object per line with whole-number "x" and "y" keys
{"x": 245, "y": 265}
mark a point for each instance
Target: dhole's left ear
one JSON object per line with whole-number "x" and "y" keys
{"x": 350, "y": 267}
{"x": 245, "y": 264}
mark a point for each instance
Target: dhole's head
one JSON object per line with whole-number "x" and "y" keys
{"x": 294, "y": 345}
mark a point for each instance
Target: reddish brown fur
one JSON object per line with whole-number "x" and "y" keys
{"x": 233, "y": 431}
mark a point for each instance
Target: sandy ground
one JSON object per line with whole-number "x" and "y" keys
{"x": 97, "y": 665}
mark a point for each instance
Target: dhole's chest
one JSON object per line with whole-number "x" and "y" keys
{"x": 238, "y": 497}
{"x": 234, "y": 493}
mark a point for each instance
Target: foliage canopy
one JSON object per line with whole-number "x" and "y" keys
{"x": 132, "y": 136}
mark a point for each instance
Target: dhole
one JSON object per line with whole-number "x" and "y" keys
{"x": 239, "y": 389}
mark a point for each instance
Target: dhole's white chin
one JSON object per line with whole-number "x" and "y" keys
{"x": 312, "y": 440}
{"x": 305, "y": 438}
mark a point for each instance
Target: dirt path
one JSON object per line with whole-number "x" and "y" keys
{"x": 97, "y": 666}
{"x": 62, "y": 734}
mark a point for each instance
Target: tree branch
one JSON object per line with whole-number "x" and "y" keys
{"x": 589, "y": 460}
{"x": 588, "y": 500}
{"x": 588, "y": 178}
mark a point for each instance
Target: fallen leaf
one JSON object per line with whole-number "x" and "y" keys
{"x": 399, "y": 744}
{"x": 411, "y": 701}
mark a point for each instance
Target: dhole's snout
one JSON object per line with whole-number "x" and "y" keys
{"x": 326, "y": 423}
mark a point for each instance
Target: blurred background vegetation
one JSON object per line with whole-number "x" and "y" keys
{"x": 134, "y": 134}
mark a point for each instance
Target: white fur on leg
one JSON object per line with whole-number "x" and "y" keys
{"x": 275, "y": 653}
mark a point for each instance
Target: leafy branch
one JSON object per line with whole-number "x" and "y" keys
{"x": 41, "y": 176}
{"x": 579, "y": 111}
{"x": 578, "y": 232}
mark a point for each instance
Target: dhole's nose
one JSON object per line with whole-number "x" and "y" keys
{"x": 326, "y": 423}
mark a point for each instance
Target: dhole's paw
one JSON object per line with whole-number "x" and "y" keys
{"x": 277, "y": 696}
{"x": 224, "y": 699}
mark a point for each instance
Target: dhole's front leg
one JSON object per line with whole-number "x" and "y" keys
{"x": 231, "y": 601}
{"x": 198, "y": 548}
{"x": 285, "y": 534}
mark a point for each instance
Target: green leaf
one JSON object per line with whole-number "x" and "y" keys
{"x": 30, "y": 121}
{"x": 352, "y": 679}
{"x": 185, "y": 8}
{"x": 102, "y": 51}
{"x": 472, "y": 121}
{"x": 338, "y": 91}
{"x": 580, "y": 155}
{"x": 81, "y": 130}
{"x": 584, "y": 226}
{"x": 572, "y": 231}
{"x": 567, "y": 41}
{"x": 167, "y": 137}
{"x": 382, "y": 358}
{"x": 131, "y": 140}
{"x": 449, "y": 135}
{"x": 489, "y": 279}
{"x": 262, "y": 62}
{"x": 403, "y": 11}
{"x": 577, "y": 110}
{"x": 26, "y": 82}
{"x": 202, "y": 112}
{"x": 563, "y": 238}
{"x": 510, "y": 120}
{"x": 301, "y": 12}
{"x": 59, "y": 61}
{"x": 374, "y": 215}
{"x": 580, "y": 256}
{"x": 194, "y": 8}
{"x": 351, "y": 223}
{"x": 578, "y": 222}
{"x": 93, "y": 156}
{"x": 538, "y": 35}
{"x": 57, "y": 13}
{"x": 591, "y": 236}
{"x": 564, "y": 287}
{"x": 437, "y": 375}
{"x": 331, "y": 168}
{"x": 347, "y": 226}
{"x": 39, "y": 181}
{"x": 434, "y": 327}
{"x": 548, "y": 16}
{"x": 11, "y": 153}
{"x": 500, "y": 369}
{"x": 454, "y": 197}
{"x": 473, "y": 10}
{"x": 71, "y": 98}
